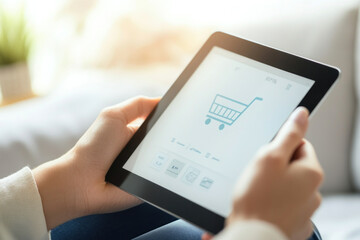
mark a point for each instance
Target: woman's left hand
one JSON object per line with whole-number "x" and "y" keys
{"x": 74, "y": 185}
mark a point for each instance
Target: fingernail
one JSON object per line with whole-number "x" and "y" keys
{"x": 300, "y": 116}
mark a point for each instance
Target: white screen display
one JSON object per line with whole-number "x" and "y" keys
{"x": 228, "y": 109}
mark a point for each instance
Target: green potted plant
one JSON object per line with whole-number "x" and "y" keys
{"x": 15, "y": 46}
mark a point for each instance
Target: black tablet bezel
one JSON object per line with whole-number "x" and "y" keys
{"x": 323, "y": 75}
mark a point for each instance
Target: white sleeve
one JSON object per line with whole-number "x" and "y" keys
{"x": 21, "y": 212}
{"x": 251, "y": 230}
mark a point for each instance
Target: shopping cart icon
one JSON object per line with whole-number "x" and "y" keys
{"x": 226, "y": 110}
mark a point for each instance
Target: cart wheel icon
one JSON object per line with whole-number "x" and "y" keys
{"x": 207, "y": 121}
{"x": 221, "y": 127}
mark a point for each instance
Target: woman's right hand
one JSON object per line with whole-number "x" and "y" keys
{"x": 281, "y": 185}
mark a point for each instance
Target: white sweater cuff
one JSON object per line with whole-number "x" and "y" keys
{"x": 21, "y": 212}
{"x": 251, "y": 230}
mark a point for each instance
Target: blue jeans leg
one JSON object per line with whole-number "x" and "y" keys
{"x": 143, "y": 222}
{"x": 180, "y": 230}
{"x": 126, "y": 224}
{"x": 177, "y": 230}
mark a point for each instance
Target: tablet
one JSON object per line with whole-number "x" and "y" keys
{"x": 230, "y": 100}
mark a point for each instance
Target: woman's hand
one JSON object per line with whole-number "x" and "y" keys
{"x": 74, "y": 185}
{"x": 281, "y": 185}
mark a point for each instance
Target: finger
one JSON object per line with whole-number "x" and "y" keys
{"x": 316, "y": 201}
{"x": 206, "y": 236}
{"x": 298, "y": 154}
{"x": 306, "y": 165}
{"x": 133, "y": 108}
{"x": 291, "y": 133}
{"x": 313, "y": 202}
{"x": 305, "y": 156}
{"x": 133, "y": 128}
{"x": 305, "y": 231}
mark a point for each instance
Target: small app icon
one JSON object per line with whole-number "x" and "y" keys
{"x": 175, "y": 168}
{"x": 206, "y": 182}
{"x": 191, "y": 175}
{"x": 159, "y": 161}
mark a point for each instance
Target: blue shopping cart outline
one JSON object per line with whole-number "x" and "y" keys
{"x": 221, "y": 117}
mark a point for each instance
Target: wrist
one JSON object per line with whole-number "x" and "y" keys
{"x": 254, "y": 229}
{"x": 55, "y": 182}
{"x": 235, "y": 219}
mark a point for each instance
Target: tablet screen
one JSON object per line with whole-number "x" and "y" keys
{"x": 227, "y": 110}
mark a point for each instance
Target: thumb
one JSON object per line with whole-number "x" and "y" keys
{"x": 134, "y": 108}
{"x": 291, "y": 133}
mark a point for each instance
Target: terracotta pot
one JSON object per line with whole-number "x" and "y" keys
{"x": 15, "y": 82}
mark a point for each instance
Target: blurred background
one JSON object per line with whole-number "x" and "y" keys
{"x": 62, "y": 61}
{"x": 149, "y": 37}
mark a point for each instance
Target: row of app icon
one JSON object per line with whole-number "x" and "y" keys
{"x": 175, "y": 167}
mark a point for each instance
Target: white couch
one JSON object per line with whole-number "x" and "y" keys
{"x": 41, "y": 129}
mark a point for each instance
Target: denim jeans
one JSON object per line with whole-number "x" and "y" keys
{"x": 143, "y": 222}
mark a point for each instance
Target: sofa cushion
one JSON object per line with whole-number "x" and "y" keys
{"x": 44, "y": 128}
{"x": 338, "y": 217}
{"x": 355, "y": 167}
